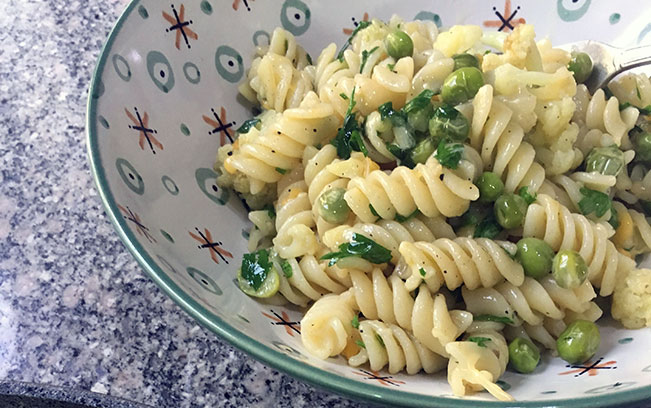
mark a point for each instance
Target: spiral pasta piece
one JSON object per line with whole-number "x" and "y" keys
{"x": 499, "y": 139}
{"x": 552, "y": 222}
{"x": 597, "y": 112}
{"x": 634, "y": 183}
{"x": 427, "y": 317}
{"x": 263, "y": 230}
{"x": 529, "y": 302}
{"x": 326, "y": 327}
{"x": 263, "y": 156}
{"x": 388, "y": 344}
{"x": 633, "y": 235}
{"x": 430, "y": 188}
{"x": 473, "y": 368}
{"x": 567, "y": 189}
{"x": 475, "y": 263}
{"x": 389, "y": 234}
{"x": 324, "y": 171}
{"x": 294, "y": 222}
{"x": 276, "y": 78}
{"x": 632, "y": 88}
{"x": 310, "y": 279}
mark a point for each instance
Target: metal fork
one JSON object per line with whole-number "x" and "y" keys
{"x": 609, "y": 61}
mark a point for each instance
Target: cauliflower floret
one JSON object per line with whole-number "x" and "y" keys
{"x": 240, "y": 182}
{"x": 458, "y": 39}
{"x": 554, "y": 117}
{"x": 520, "y": 50}
{"x": 507, "y": 80}
{"x": 552, "y": 58}
{"x": 632, "y": 299}
{"x": 632, "y": 88}
{"x": 560, "y": 156}
{"x": 376, "y": 31}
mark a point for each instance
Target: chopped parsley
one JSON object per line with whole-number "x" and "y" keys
{"x": 488, "y": 228}
{"x": 343, "y": 96}
{"x": 309, "y": 59}
{"x": 524, "y": 193}
{"x": 281, "y": 171}
{"x": 481, "y": 341}
{"x": 270, "y": 211}
{"x": 360, "y": 26}
{"x": 644, "y": 111}
{"x": 379, "y": 340}
{"x": 391, "y": 66}
{"x": 370, "y": 207}
{"x": 449, "y": 154}
{"x": 365, "y": 55}
{"x": 421, "y": 101}
{"x": 493, "y": 318}
{"x": 349, "y": 136}
{"x": 355, "y": 322}
{"x": 247, "y": 125}
{"x": 594, "y": 202}
{"x": 402, "y": 218}
{"x": 422, "y": 272}
{"x": 397, "y": 117}
{"x": 255, "y": 267}
{"x": 362, "y": 247}
{"x": 614, "y": 218}
{"x": 360, "y": 343}
{"x": 287, "y": 269}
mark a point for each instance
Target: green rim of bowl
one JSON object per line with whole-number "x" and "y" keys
{"x": 273, "y": 358}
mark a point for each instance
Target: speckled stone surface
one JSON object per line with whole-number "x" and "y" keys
{"x": 76, "y": 310}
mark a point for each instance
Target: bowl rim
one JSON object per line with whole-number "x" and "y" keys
{"x": 275, "y": 359}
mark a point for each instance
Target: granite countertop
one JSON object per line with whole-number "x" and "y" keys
{"x": 76, "y": 310}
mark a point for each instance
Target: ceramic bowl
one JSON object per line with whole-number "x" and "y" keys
{"x": 164, "y": 98}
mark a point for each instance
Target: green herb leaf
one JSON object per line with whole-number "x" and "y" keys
{"x": 488, "y": 228}
{"x": 271, "y": 212}
{"x": 355, "y": 322}
{"x": 391, "y": 66}
{"x": 287, "y": 269}
{"x": 343, "y": 96}
{"x": 379, "y": 340}
{"x": 637, "y": 91}
{"x": 421, "y": 101}
{"x": 524, "y": 193}
{"x": 365, "y": 55}
{"x": 493, "y": 318}
{"x": 247, "y": 125}
{"x": 422, "y": 272}
{"x": 370, "y": 207}
{"x": 309, "y": 59}
{"x": 281, "y": 171}
{"x": 614, "y": 218}
{"x": 360, "y": 343}
{"x": 349, "y": 136}
{"x": 397, "y": 117}
{"x": 360, "y": 26}
{"x": 402, "y": 218}
{"x": 594, "y": 201}
{"x": 481, "y": 341}
{"x": 255, "y": 267}
{"x": 362, "y": 247}
{"x": 449, "y": 154}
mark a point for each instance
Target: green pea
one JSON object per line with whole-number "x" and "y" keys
{"x": 510, "y": 210}
{"x": 581, "y": 66}
{"x": 608, "y": 161}
{"x": 490, "y": 187}
{"x": 642, "y": 143}
{"x": 461, "y": 85}
{"x": 535, "y": 256}
{"x": 423, "y": 150}
{"x": 332, "y": 206}
{"x": 569, "y": 269}
{"x": 419, "y": 119}
{"x": 465, "y": 60}
{"x": 268, "y": 288}
{"x": 399, "y": 44}
{"x": 523, "y": 355}
{"x": 449, "y": 123}
{"x": 578, "y": 342}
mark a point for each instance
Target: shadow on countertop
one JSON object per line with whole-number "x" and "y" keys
{"x": 27, "y": 395}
